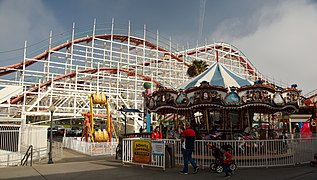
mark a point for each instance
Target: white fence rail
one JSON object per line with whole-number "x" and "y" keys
{"x": 15, "y": 140}
{"x": 157, "y": 155}
{"x": 90, "y": 148}
{"x": 10, "y": 138}
{"x": 246, "y": 153}
{"x": 261, "y": 153}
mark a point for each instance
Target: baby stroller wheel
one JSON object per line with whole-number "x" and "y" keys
{"x": 213, "y": 166}
{"x": 219, "y": 169}
{"x": 233, "y": 167}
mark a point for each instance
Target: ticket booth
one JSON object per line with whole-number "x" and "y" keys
{"x": 297, "y": 120}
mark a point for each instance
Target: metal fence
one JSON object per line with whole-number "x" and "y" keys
{"x": 246, "y": 153}
{"x": 15, "y": 140}
{"x": 260, "y": 153}
{"x": 157, "y": 155}
{"x": 90, "y": 148}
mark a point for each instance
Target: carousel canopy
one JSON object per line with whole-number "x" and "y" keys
{"x": 217, "y": 74}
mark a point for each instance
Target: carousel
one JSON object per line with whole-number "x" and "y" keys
{"x": 220, "y": 101}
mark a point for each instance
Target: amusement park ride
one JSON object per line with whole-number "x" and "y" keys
{"x": 90, "y": 132}
{"x": 106, "y": 60}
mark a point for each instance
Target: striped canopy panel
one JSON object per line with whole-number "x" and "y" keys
{"x": 217, "y": 74}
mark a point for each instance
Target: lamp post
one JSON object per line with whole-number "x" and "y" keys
{"x": 147, "y": 87}
{"x": 52, "y": 109}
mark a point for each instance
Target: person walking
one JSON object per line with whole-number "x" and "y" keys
{"x": 188, "y": 140}
{"x": 156, "y": 134}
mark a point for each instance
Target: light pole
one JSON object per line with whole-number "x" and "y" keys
{"x": 52, "y": 109}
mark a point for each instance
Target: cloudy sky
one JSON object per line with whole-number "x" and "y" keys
{"x": 279, "y": 37}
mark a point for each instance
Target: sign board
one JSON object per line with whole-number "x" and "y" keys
{"x": 158, "y": 148}
{"x": 142, "y": 151}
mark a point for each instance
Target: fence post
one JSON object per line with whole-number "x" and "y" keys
{"x": 266, "y": 158}
{"x": 31, "y": 157}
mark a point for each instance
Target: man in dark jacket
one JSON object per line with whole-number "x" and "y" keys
{"x": 188, "y": 141}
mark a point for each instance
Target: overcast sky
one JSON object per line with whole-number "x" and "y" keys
{"x": 278, "y": 37}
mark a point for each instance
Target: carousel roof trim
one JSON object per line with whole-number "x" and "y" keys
{"x": 225, "y": 106}
{"x": 217, "y": 75}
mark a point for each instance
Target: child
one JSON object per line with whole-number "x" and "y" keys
{"x": 216, "y": 152}
{"x": 226, "y": 162}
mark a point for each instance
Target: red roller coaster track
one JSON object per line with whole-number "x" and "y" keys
{"x": 73, "y": 74}
{"x": 14, "y": 67}
{"x": 123, "y": 38}
{"x": 244, "y": 63}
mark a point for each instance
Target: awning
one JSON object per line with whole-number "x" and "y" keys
{"x": 299, "y": 117}
{"x": 298, "y": 120}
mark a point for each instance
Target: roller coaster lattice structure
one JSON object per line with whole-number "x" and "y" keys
{"x": 108, "y": 59}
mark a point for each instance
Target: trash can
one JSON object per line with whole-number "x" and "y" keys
{"x": 169, "y": 155}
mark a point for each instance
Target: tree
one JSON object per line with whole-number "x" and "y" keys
{"x": 196, "y": 68}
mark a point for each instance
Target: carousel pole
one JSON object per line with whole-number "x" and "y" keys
{"x": 241, "y": 118}
{"x": 148, "y": 121}
{"x": 213, "y": 120}
{"x": 248, "y": 115}
{"x": 231, "y": 124}
{"x": 206, "y": 118}
{"x": 187, "y": 117}
{"x": 177, "y": 119}
{"x": 223, "y": 120}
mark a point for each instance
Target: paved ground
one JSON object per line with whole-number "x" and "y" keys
{"x": 76, "y": 166}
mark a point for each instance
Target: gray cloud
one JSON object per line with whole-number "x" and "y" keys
{"x": 277, "y": 36}
{"x": 282, "y": 45}
{"x": 23, "y": 21}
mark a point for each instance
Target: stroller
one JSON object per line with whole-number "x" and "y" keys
{"x": 217, "y": 164}
{"x": 313, "y": 163}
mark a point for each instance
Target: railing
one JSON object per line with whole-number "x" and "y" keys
{"x": 57, "y": 149}
{"x": 246, "y": 153}
{"x": 15, "y": 141}
{"x": 260, "y": 153}
{"x": 90, "y": 148}
{"x": 156, "y": 158}
{"x": 29, "y": 153}
{"x": 10, "y": 137}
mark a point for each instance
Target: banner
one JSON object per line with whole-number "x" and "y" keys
{"x": 142, "y": 151}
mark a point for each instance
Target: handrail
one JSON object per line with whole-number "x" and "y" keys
{"x": 24, "y": 160}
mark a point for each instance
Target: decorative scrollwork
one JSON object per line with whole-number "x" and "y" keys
{"x": 182, "y": 98}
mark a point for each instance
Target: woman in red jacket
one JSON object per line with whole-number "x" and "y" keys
{"x": 156, "y": 134}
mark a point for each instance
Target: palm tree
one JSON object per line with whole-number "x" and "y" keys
{"x": 197, "y": 67}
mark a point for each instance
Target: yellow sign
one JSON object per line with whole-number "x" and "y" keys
{"x": 142, "y": 151}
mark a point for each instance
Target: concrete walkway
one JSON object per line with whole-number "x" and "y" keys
{"x": 76, "y": 166}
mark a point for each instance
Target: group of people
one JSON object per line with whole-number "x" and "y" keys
{"x": 188, "y": 138}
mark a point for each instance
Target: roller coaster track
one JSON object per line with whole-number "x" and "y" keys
{"x": 123, "y": 38}
{"x": 73, "y": 74}
{"x": 147, "y": 57}
{"x": 244, "y": 62}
